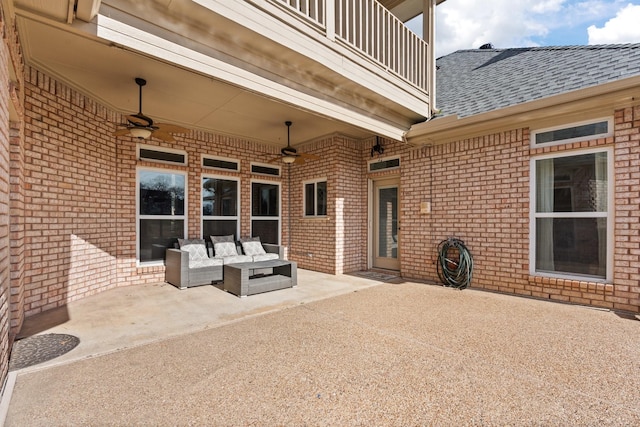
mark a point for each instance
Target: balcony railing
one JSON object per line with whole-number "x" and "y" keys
{"x": 370, "y": 29}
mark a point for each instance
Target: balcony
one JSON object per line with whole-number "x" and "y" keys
{"x": 232, "y": 66}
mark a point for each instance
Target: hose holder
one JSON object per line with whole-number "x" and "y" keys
{"x": 455, "y": 263}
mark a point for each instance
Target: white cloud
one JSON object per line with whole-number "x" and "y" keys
{"x": 624, "y": 28}
{"x": 468, "y": 24}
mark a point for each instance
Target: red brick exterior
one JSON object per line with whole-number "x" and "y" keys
{"x": 68, "y": 202}
{"x": 479, "y": 192}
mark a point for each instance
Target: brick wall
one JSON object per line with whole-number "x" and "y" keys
{"x": 479, "y": 192}
{"x": 69, "y": 186}
{"x": 5, "y": 261}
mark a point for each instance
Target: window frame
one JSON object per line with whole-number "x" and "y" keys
{"x": 384, "y": 159}
{"x": 220, "y": 217}
{"x": 139, "y": 217}
{"x": 266, "y": 165}
{"x": 534, "y": 133}
{"x": 315, "y": 183}
{"x": 609, "y": 215}
{"x": 220, "y": 158}
{"x": 140, "y": 147}
{"x": 266, "y": 218}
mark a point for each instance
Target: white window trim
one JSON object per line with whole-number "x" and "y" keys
{"x": 269, "y": 218}
{"x": 383, "y": 159}
{"x": 217, "y": 217}
{"x": 315, "y": 198}
{"x": 224, "y": 159}
{"x": 266, "y": 165}
{"x": 609, "y": 120}
{"x": 140, "y": 217}
{"x": 161, "y": 149}
{"x": 609, "y": 215}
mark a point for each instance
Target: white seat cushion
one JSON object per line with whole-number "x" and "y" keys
{"x": 209, "y": 262}
{"x": 264, "y": 257}
{"x": 236, "y": 259}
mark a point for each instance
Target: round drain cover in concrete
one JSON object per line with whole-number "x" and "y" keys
{"x": 40, "y": 348}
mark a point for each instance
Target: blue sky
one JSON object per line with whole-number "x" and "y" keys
{"x": 468, "y": 24}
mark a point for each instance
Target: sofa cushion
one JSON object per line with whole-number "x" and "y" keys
{"x": 252, "y": 248}
{"x": 265, "y": 257}
{"x": 221, "y": 239}
{"x": 225, "y": 249}
{"x": 204, "y": 263}
{"x": 196, "y": 248}
{"x": 236, "y": 259}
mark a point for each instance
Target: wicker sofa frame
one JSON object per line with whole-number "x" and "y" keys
{"x": 178, "y": 273}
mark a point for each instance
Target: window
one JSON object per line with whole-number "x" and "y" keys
{"x": 219, "y": 207}
{"x": 265, "y": 211}
{"x": 582, "y": 131}
{"x": 161, "y": 212}
{"x": 571, "y": 220}
{"x": 315, "y": 198}
{"x": 384, "y": 164}
{"x": 265, "y": 170}
{"x": 161, "y": 155}
{"x": 220, "y": 163}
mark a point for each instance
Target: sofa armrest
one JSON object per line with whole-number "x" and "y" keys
{"x": 274, "y": 249}
{"x": 176, "y": 270}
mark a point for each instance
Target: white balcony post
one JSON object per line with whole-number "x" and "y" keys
{"x": 428, "y": 35}
{"x": 330, "y": 19}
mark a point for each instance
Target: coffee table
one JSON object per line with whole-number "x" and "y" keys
{"x": 240, "y": 280}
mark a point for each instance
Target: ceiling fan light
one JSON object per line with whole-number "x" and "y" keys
{"x": 140, "y": 133}
{"x": 288, "y": 159}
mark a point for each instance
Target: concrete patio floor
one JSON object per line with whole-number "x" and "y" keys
{"x": 336, "y": 350}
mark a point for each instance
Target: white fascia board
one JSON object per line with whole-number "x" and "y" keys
{"x": 331, "y": 54}
{"x": 156, "y": 47}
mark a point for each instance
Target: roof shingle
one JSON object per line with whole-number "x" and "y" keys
{"x": 475, "y": 81}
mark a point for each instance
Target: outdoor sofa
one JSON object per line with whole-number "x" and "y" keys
{"x": 196, "y": 262}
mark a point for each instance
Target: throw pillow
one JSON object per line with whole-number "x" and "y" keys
{"x": 196, "y": 248}
{"x": 221, "y": 239}
{"x": 250, "y": 239}
{"x": 223, "y": 249}
{"x": 253, "y": 248}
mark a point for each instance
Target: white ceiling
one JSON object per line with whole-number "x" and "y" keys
{"x": 71, "y": 54}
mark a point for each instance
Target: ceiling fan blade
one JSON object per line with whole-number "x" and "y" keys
{"x": 310, "y": 156}
{"x": 140, "y": 120}
{"x": 162, "y": 135}
{"x": 166, "y": 127}
{"x": 121, "y": 132}
{"x": 299, "y": 160}
{"x": 275, "y": 159}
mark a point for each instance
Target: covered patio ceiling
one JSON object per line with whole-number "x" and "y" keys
{"x": 173, "y": 94}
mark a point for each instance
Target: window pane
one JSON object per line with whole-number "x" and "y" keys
{"x": 264, "y": 199}
{"x": 582, "y": 131}
{"x": 321, "y": 189}
{"x": 219, "y": 197}
{"x": 219, "y": 228}
{"x": 572, "y": 245}
{"x": 388, "y": 222}
{"x": 156, "y": 235}
{"x": 161, "y": 193}
{"x": 572, "y": 184}
{"x": 309, "y": 199}
{"x": 267, "y": 230}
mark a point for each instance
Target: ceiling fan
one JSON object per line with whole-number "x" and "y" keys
{"x": 142, "y": 127}
{"x": 290, "y": 155}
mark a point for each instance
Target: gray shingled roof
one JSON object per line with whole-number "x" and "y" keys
{"x": 475, "y": 81}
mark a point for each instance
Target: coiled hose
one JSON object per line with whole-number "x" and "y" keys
{"x": 455, "y": 263}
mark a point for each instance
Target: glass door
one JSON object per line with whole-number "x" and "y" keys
{"x": 386, "y": 239}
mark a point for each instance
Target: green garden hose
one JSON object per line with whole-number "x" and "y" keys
{"x": 455, "y": 263}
